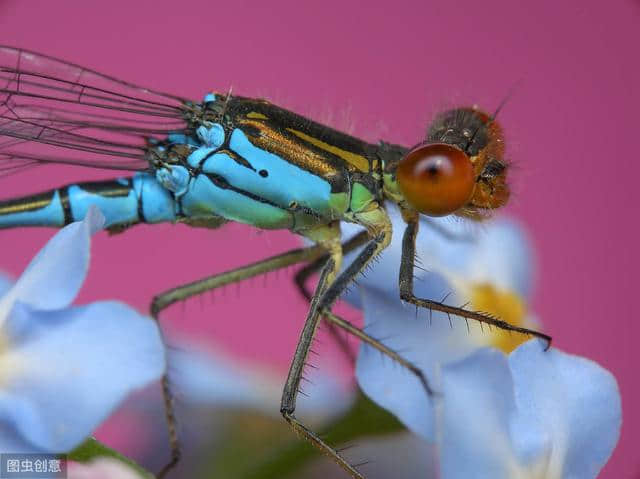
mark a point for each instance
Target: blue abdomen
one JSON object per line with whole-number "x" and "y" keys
{"x": 124, "y": 201}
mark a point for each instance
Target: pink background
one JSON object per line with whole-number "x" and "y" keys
{"x": 382, "y": 70}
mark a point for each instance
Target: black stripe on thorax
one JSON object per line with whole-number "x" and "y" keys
{"x": 288, "y": 119}
{"x": 222, "y": 183}
{"x": 282, "y": 120}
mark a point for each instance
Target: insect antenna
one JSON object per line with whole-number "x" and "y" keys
{"x": 502, "y": 103}
{"x": 506, "y": 98}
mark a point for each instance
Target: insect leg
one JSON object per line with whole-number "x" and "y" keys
{"x": 406, "y": 287}
{"x": 327, "y": 292}
{"x": 171, "y": 296}
{"x": 374, "y": 343}
{"x": 292, "y": 385}
{"x": 209, "y": 283}
{"x": 313, "y": 267}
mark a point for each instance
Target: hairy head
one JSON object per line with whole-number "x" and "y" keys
{"x": 458, "y": 169}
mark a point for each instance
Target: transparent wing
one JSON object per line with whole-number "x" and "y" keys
{"x": 55, "y": 111}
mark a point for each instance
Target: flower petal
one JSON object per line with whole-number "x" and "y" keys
{"x": 203, "y": 378}
{"x": 503, "y": 257}
{"x": 216, "y": 379}
{"x": 54, "y": 276}
{"x": 574, "y": 400}
{"x": 5, "y": 283}
{"x": 65, "y": 371}
{"x": 533, "y": 414}
{"x": 425, "y": 340}
{"x": 474, "y": 410}
{"x": 12, "y": 442}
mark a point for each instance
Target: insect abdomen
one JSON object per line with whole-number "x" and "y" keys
{"x": 123, "y": 201}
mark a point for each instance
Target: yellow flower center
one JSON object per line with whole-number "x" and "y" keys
{"x": 506, "y": 305}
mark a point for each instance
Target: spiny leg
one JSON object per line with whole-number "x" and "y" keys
{"x": 374, "y": 343}
{"x": 336, "y": 321}
{"x": 170, "y": 417}
{"x": 164, "y": 300}
{"x": 313, "y": 267}
{"x": 406, "y": 287}
{"x": 292, "y": 384}
{"x": 327, "y": 291}
{"x": 179, "y": 293}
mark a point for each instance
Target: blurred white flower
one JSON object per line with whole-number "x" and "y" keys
{"x": 205, "y": 376}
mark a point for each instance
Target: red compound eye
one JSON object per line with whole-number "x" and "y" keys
{"x": 436, "y": 179}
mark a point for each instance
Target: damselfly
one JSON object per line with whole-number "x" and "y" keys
{"x": 230, "y": 158}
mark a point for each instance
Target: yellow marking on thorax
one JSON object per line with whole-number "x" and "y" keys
{"x": 358, "y": 161}
{"x": 274, "y": 141}
{"x": 257, "y": 116}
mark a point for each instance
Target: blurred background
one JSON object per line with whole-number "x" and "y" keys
{"x": 380, "y": 70}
